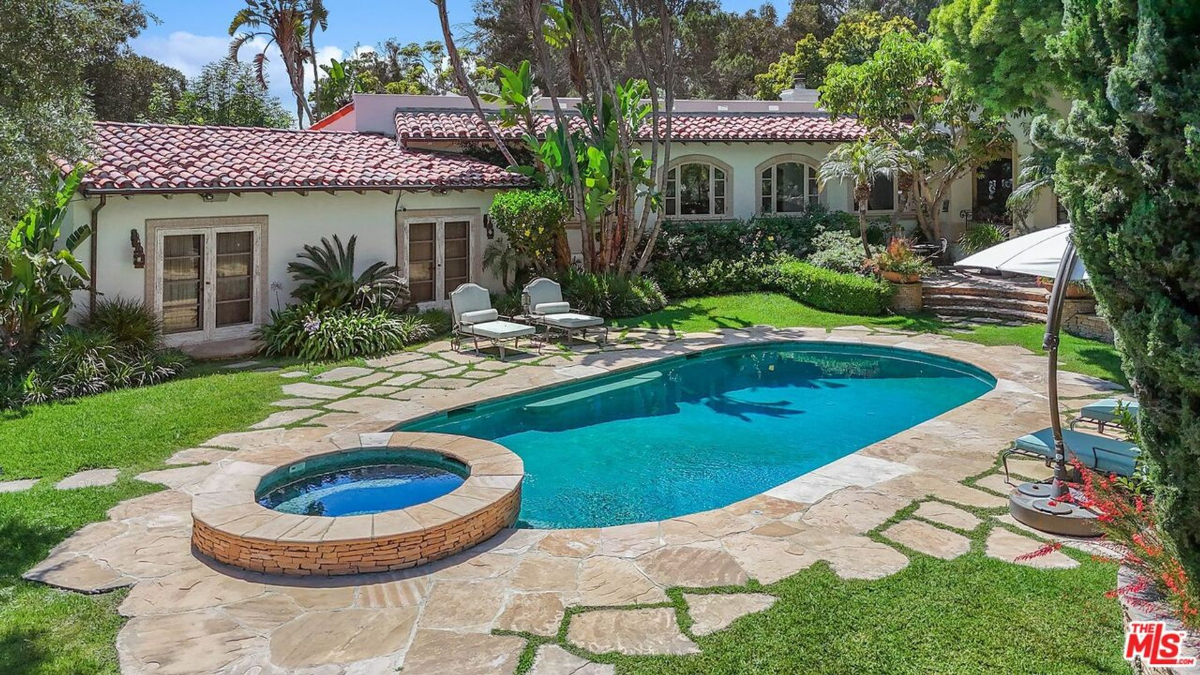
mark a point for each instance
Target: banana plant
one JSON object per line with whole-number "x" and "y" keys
{"x": 36, "y": 279}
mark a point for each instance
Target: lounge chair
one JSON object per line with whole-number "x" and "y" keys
{"x": 474, "y": 318}
{"x": 1104, "y": 413}
{"x": 544, "y": 305}
{"x": 1099, "y": 453}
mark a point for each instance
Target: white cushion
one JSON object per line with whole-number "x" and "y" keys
{"x": 552, "y": 308}
{"x": 499, "y": 330}
{"x": 572, "y": 320}
{"x": 479, "y": 316}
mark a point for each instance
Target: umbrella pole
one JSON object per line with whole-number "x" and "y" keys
{"x": 1050, "y": 344}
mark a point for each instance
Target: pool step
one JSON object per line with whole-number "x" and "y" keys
{"x": 595, "y": 391}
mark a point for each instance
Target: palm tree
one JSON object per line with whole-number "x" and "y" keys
{"x": 284, "y": 23}
{"x": 859, "y": 163}
{"x": 318, "y": 17}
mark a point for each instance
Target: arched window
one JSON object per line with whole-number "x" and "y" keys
{"x": 787, "y": 187}
{"x": 697, "y": 188}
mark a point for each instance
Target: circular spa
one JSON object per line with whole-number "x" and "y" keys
{"x": 396, "y": 501}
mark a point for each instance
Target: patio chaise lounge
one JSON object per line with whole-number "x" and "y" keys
{"x": 1099, "y": 453}
{"x": 474, "y": 318}
{"x": 1105, "y": 412}
{"x": 544, "y": 305}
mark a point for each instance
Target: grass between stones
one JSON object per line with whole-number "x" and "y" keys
{"x": 972, "y": 614}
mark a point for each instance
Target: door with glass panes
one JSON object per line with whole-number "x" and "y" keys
{"x": 435, "y": 257}
{"x": 206, "y": 282}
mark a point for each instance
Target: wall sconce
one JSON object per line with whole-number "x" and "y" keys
{"x": 489, "y": 227}
{"x": 139, "y": 254}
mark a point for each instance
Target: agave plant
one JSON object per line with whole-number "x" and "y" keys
{"x": 325, "y": 276}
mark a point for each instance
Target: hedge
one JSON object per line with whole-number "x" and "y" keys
{"x": 831, "y": 291}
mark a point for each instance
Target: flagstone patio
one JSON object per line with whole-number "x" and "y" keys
{"x": 468, "y": 613}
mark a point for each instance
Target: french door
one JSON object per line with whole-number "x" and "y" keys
{"x": 435, "y": 257}
{"x": 206, "y": 282}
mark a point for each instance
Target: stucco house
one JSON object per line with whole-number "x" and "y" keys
{"x": 201, "y": 222}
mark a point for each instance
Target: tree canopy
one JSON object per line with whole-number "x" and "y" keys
{"x": 122, "y": 87}
{"x": 1001, "y": 49}
{"x": 853, "y": 41}
{"x": 225, "y": 93}
{"x": 44, "y": 109}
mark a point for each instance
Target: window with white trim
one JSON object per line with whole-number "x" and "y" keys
{"x": 788, "y": 187}
{"x": 696, "y": 189}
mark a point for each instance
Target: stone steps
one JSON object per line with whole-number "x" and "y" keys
{"x": 1029, "y": 294}
{"x": 981, "y": 314}
{"x": 935, "y": 302}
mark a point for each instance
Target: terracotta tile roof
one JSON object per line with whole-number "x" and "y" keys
{"x": 733, "y": 127}
{"x": 166, "y": 158}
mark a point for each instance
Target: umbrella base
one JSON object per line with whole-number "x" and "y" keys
{"x": 1030, "y": 505}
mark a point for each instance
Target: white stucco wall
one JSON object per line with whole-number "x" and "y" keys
{"x": 292, "y": 221}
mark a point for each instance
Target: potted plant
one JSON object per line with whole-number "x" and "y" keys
{"x": 900, "y": 264}
{"x": 1076, "y": 290}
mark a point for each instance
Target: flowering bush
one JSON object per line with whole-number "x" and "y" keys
{"x": 317, "y": 334}
{"x": 1128, "y": 519}
{"x": 900, "y": 258}
{"x": 533, "y": 221}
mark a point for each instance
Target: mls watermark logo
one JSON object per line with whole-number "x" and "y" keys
{"x": 1155, "y": 645}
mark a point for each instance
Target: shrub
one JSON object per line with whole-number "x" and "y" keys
{"x": 438, "y": 320}
{"x": 831, "y": 291}
{"x": 509, "y": 303}
{"x": 982, "y": 235}
{"x": 129, "y": 322}
{"x": 698, "y": 243}
{"x": 839, "y": 251}
{"x": 678, "y": 280}
{"x": 83, "y": 361}
{"x": 612, "y": 295}
{"x": 532, "y": 221}
{"x": 321, "y": 334}
{"x": 325, "y": 276}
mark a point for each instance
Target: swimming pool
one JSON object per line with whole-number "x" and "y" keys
{"x": 694, "y": 433}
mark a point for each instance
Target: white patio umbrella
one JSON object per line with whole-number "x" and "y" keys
{"x": 1045, "y": 253}
{"x": 1038, "y": 253}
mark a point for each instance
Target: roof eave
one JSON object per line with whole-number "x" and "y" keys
{"x": 425, "y": 187}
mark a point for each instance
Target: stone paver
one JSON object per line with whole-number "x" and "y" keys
{"x": 198, "y": 456}
{"x": 183, "y": 476}
{"x": 642, "y": 632}
{"x": 310, "y": 390}
{"x": 89, "y": 478}
{"x": 191, "y": 643}
{"x": 711, "y": 613}
{"x": 537, "y": 613}
{"x": 286, "y": 417}
{"x": 1005, "y": 545}
{"x": 693, "y": 567}
{"x": 405, "y": 380}
{"x": 427, "y": 365}
{"x": 445, "y": 383}
{"x": 320, "y": 638}
{"x": 296, "y": 402}
{"x": 368, "y": 380}
{"x": 995, "y": 483}
{"x": 947, "y": 515}
{"x": 614, "y": 581}
{"x": 928, "y": 539}
{"x": 17, "y": 485}
{"x": 437, "y": 652}
{"x": 295, "y": 374}
{"x": 1029, "y": 468}
{"x": 554, "y": 660}
{"x": 342, "y": 374}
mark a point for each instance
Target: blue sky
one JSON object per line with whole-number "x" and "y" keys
{"x": 193, "y": 34}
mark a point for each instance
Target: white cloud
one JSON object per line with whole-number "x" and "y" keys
{"x": 189, "y": 53}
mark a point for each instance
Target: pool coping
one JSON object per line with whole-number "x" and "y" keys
{"x": 229, "y": 525}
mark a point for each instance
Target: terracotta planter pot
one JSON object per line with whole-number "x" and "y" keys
{"x": 898, "y": 278}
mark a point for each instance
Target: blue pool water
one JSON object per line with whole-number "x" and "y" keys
{"x": 360, "y": 482}
{"x": 686, "y": 435}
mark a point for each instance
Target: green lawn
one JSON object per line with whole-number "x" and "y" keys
{"x": 1089, "y": 357}
{"x": 821, "y": 622}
